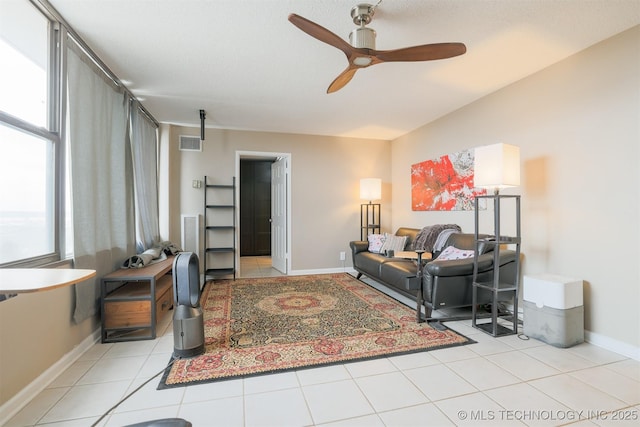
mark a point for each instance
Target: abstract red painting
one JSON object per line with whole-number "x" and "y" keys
{"x": 444, "y": 184}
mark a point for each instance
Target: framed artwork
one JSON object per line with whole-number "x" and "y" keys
{"x": 444, "y": 184}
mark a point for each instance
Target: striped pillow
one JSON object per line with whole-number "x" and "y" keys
{"x": 394, "y": 243}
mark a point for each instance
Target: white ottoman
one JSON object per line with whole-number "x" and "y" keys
{"x": 553, "y": 309}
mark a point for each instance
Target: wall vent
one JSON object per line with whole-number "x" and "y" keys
{"x": 190, "y": 233}
{"x": 190, "y": 143}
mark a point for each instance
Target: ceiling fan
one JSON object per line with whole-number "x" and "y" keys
{"x": 361, "y": 51}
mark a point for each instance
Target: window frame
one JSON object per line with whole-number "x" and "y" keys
{"x": 54, "y": 133}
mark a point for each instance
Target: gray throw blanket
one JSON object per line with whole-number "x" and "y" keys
{"x": 157, "y": 253}
{"x": 427, "y": 237}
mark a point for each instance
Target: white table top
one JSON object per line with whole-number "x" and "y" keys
{"x": 22, "y": 280}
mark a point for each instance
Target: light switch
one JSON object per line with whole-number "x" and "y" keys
{"x": 196, "y": 183}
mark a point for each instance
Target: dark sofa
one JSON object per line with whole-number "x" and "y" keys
{"x": 397, "y": 273}
{"x": 445, "y": 283}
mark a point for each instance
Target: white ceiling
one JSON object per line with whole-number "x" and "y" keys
{"x": 245, "y": 64}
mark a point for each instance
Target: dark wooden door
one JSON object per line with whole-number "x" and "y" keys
{"x": 255, "y": 207}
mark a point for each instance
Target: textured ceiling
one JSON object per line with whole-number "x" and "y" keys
{"x": 250, "y": 69}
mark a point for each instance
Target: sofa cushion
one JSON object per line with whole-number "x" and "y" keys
{"x": 375, "y": 242}
{"x": 369, "y": 263}
{"x": 393, "y": 243}
{"x": 401, "y": 273}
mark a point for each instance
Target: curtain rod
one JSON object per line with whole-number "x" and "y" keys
{"x": 137, "y": 104}
{"x": 45, "y": 6}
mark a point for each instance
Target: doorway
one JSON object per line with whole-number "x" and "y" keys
{"x": 255, "y": 207}
{"x": 262, "y": 215}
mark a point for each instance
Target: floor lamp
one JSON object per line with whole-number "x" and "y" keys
{"x": 497, "y": 166}
{"x": 370, "y": 189}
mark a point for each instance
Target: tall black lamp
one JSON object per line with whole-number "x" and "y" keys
{"x": 370, "y": 189}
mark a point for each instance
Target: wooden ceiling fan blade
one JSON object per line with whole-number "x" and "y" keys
{"x": 427, "y": 52}
{"x": 341, "y": 81}
{"x": 320, "y": 33}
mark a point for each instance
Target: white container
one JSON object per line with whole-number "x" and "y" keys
{"x": 553, "y": 309}
{"x": 550, "y": 290}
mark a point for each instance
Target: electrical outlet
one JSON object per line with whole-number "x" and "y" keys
{"x": 343, "y": 256}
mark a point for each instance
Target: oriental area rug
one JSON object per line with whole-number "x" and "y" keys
{"x": 266, "y": 325}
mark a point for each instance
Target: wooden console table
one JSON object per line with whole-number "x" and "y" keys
{"x": 134, "y": 300}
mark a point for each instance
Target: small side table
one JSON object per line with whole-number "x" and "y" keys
{"x": 418, "y": 255}
{"x": 406, "y": 254}
{"x": 420, "y": 294}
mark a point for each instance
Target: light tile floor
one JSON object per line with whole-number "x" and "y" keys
{"x": 497, "y": 381}
{"x": 257, "y": 266}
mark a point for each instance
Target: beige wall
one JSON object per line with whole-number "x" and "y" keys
{"x": 325, "y": 178}
{"x": 36, "y": 330}
{"x": 577, "y": 125}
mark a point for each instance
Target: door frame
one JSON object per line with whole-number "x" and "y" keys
{"x": 264, "y": 155}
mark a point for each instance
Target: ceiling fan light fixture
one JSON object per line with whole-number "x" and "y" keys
{"x": 362, "y": 61}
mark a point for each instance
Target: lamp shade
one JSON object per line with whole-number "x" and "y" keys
{"x": 497, "y": 166}
{"x": 371, "y": 189}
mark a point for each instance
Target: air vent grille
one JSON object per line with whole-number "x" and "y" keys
{"x": 190, "y": 143}
{"x": 190, "y": 233}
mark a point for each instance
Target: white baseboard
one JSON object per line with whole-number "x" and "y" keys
{"x": 322, "y": 271}
{"x": 611, "y": 344}
{"x": 11, "y": 407}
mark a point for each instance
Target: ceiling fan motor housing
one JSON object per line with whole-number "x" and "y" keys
{"x": 363, "y": 37}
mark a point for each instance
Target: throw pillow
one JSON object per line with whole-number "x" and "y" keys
{"x": 451, "y": 252}
{"x": 375, "y": 242}
{"x": 393, "y": 242}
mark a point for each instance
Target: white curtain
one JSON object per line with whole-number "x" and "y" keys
{"x": 101, "y": 177}
{"x": 144, "y": 150}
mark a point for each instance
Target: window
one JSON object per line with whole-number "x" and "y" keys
{"x": 35, "y": 203}
{"x": 26, "y": 196}
{"x": 23, "y": 44}
{"x": 30, "y": 216}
